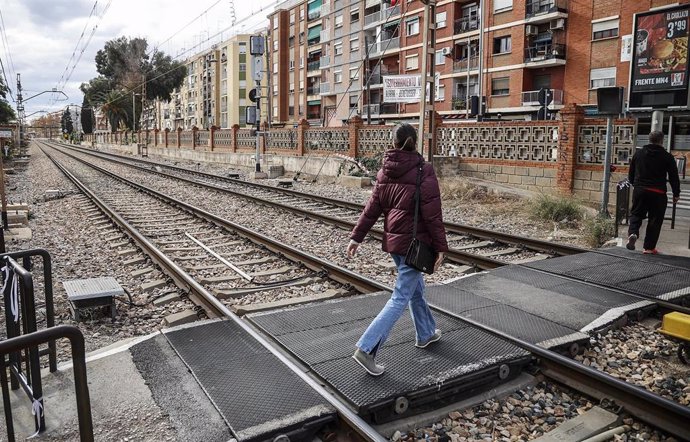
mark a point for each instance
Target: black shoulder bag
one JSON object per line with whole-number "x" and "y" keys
{"x": 419, "y": 255}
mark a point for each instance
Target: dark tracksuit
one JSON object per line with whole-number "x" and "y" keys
{"x": 648, "y": 169}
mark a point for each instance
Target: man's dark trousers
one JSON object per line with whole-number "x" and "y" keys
{"x": 649, "y": 204}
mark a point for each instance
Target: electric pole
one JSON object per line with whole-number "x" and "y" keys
{"x": 428, "y": 45}
{"x": 256, "y": 50}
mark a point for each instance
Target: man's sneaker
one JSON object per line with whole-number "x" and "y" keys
{"x": 367, "y": 362}
{"x": 435, "y": 337}
{"x": 631, "y": 242}
{"x": 650, "y": 252}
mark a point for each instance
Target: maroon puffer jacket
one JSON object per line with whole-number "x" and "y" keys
{"x": 394, "y": 197}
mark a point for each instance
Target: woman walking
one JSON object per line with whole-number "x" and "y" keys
{"x": 393, "y": 196}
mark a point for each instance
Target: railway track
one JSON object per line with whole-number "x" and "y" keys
{"x": 473, "y": 246}
{"x": 176, "y": 250}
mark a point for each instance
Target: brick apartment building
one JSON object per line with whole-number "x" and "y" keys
{"x": 318, "y": 64}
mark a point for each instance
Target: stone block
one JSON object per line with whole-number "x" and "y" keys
{"x": 549, "y": 173}
{"x": 515, "y": 179}
{"x": 578, "y": 184}
{"x": 592, "y": 185}
{"x": 510, "y": 170}
{"x": 544, "y": 182}
{"x": 582, "y": 194}
{"x": 355, "y": 181}
{"x": 496, "y": 169}
{"x": 275, "y": 171}
{"x": 536, "y": 172}
{"x": 522, "y": 171}
{"x": 483, "y": 167}
{"x": 583, "y": 174}
{"x": 597, "y": 176}
{"x": 183, "y": 317}
{"x": 502, "y": 178}
{"x": 529, "y": 180}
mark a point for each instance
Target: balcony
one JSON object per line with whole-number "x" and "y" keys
{"x": 382, "y": 15}
{"x": 380, "y": 109}
{"x": 313, "y": 15}
{"x": 325, "y": 35}
{"x": 531, "y": 98}
{"x": 325, "y": 9}
{"x": 465, "y": 64}
{"x": 314, "y": 65}
{"x": 325, "y": 88}
{"x": 466, "y": 24}
{"x": 325, "y": 61}
{"x": 535, "y": 8}
{"x": 459, "y": 103}
{"x": 314, "y": 90}
{"x": 384, "y": 45}
{"x": 376, "y": 76}
{"x": 544, "y": 55}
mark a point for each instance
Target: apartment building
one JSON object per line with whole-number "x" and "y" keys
{"x": 567, "y": 46}
{"x": 215, "y": 92}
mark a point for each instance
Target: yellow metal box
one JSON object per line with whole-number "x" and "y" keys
{"x": 676, "y": 325}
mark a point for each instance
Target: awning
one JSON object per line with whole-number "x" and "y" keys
{"x": 391, "y": 24}
{"x": 314, "y": 103}
{"x": 314, "y": 32}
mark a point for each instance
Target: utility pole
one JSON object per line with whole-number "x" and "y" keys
{"x": 368, "y": 77}
{"x": 480, "y": 114}
{"x": 269, "y": 93}
{"x": 428, "y": 44}
{"x": 256, "y": 50}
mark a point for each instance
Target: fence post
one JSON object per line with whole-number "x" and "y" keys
{"x": 302, "y": 127}
{"x": 165, "y": 137}
{"x": 195, "y": 130}
{"x": 571, "y": 117}
{"x": 233, "y": 143}
{"x": 179, "y": 136}
{"x": 353, "y": 126}
{"x": 212, "y": 138}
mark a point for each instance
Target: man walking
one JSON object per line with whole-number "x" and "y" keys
{"x": 648, "y": 170}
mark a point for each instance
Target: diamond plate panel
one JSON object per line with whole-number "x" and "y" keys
{"x": 242, "y": 377}
{"x": 92, "y": 288}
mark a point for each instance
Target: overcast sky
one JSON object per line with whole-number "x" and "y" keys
{"x": 42, "y": 35}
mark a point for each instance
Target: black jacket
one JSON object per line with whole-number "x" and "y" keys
{"x": 649, "y": 167}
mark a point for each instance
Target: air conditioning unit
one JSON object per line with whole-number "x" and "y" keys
{"x": 531, "y": 30}
{"x": 446, "y": 51}
{"x": 556, "y": 24}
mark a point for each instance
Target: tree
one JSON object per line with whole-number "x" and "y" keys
{"x": 123, "y": 65}
{"x": 86, "y": 116}
{"x": 67, "y": 125}
{"x": 6, "y": 111}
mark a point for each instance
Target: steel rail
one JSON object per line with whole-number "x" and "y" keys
{"x": 355, "y": 421}
{"x": 656, "y": 410}
{"x": 458, "y": 256}
{"x": 532, "y": 243}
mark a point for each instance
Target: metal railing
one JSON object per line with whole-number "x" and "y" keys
{"x": 466, "y": 63}
{"x": 531, "y": 98}
{"x": 538, "y": 7}
{"x": 324, "y": 88}
{"x": 466, "y": 24}
{"x": 380, "y": 109}
{"x": 384, "y": 45}
{"x": 31, "y": 341}
{"x": 314, "y": 90}
{"x": 313, "y": 65}
{"x": 324, "y": 61}
{"x": 545, "y": 51}
{"x": 378, "y": 16}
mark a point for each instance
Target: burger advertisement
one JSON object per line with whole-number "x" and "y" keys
{"x": 660, "y": 59}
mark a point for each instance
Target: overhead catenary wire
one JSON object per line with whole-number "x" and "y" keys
{"x": 6, "y": 46}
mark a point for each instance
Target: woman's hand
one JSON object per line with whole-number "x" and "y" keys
{"x": 439, "y": 261}
{"x": 352, "y": 248}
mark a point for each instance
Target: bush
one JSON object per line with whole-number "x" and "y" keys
{"x": 598, "y": 230}
{"x": 461, "y": 190}
{"x": 558, "y": 209}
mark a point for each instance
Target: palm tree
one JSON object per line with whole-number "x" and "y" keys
{"x": 114, "y": 106}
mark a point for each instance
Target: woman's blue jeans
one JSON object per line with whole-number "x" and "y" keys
{"x": 409, "y": 290}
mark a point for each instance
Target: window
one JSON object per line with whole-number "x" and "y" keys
{"x": 602, "y": 77}
{"x": 354, "y": 44}
{"x": 301, "y": 61}
{"x": 243, "y": 48}
{"x": 292, "y": 18}
{"x": 353, "y": 101}
{"x": 412, "y": 26}
{"x": 301, "y": 85}
{"x": 275, "y": 68}
{"x": 292, "y": 88}
{"x": 337, "y": 77}
{"x": 243, "y": 67}
{"x": 440, "y": 58}
{"x": 292, "y": 65}
{"x": 354, "y": 74}
{"x": 440, "y": 20}
{"x": 605, "y": 29}
{"x": 338, "y": 21}
{"x": 500, "y": 86}
{"x": 301, "y": 13}
{"x": 354, "y": 14}
{"x": 275, "y": 45}
{"x": 412, "y": 62}
{"x": 338, "y": 48}
{"x": 275, "y": 22}
{"x": 502, "y": 5}
{"x": 502, "y": 45}
{"x": 440, "y": 93}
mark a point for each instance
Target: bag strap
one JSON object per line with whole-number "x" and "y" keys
{"x": 417, "y": 196}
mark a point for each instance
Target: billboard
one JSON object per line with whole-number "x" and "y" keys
{"x": 660, "y": 53}
{"x": 402, "y": 88}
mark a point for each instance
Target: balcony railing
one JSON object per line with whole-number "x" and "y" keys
{"x": 325, "y": 9}
{"x": 384, "y": 45}
{"x": 466, "y": 24}
{"x": 325, "y": 61}
{"x": 325, "y": 88}
{"x": 314, "y": 65}
{"x": 465, "y": 64}
{"x": 539, "y": 7}
{"x": 380, "y": 109}
{"x": 384, "y": 14}
{"x": 531, "y": 98}
{"x": 325, "y": 34}
{"x": 545, "y": 51}
{"x": 458, "y": 102}
{"x": 376, "y": 77}
{"x": 314, "y": 90}
{"x": 314, "y": 41}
